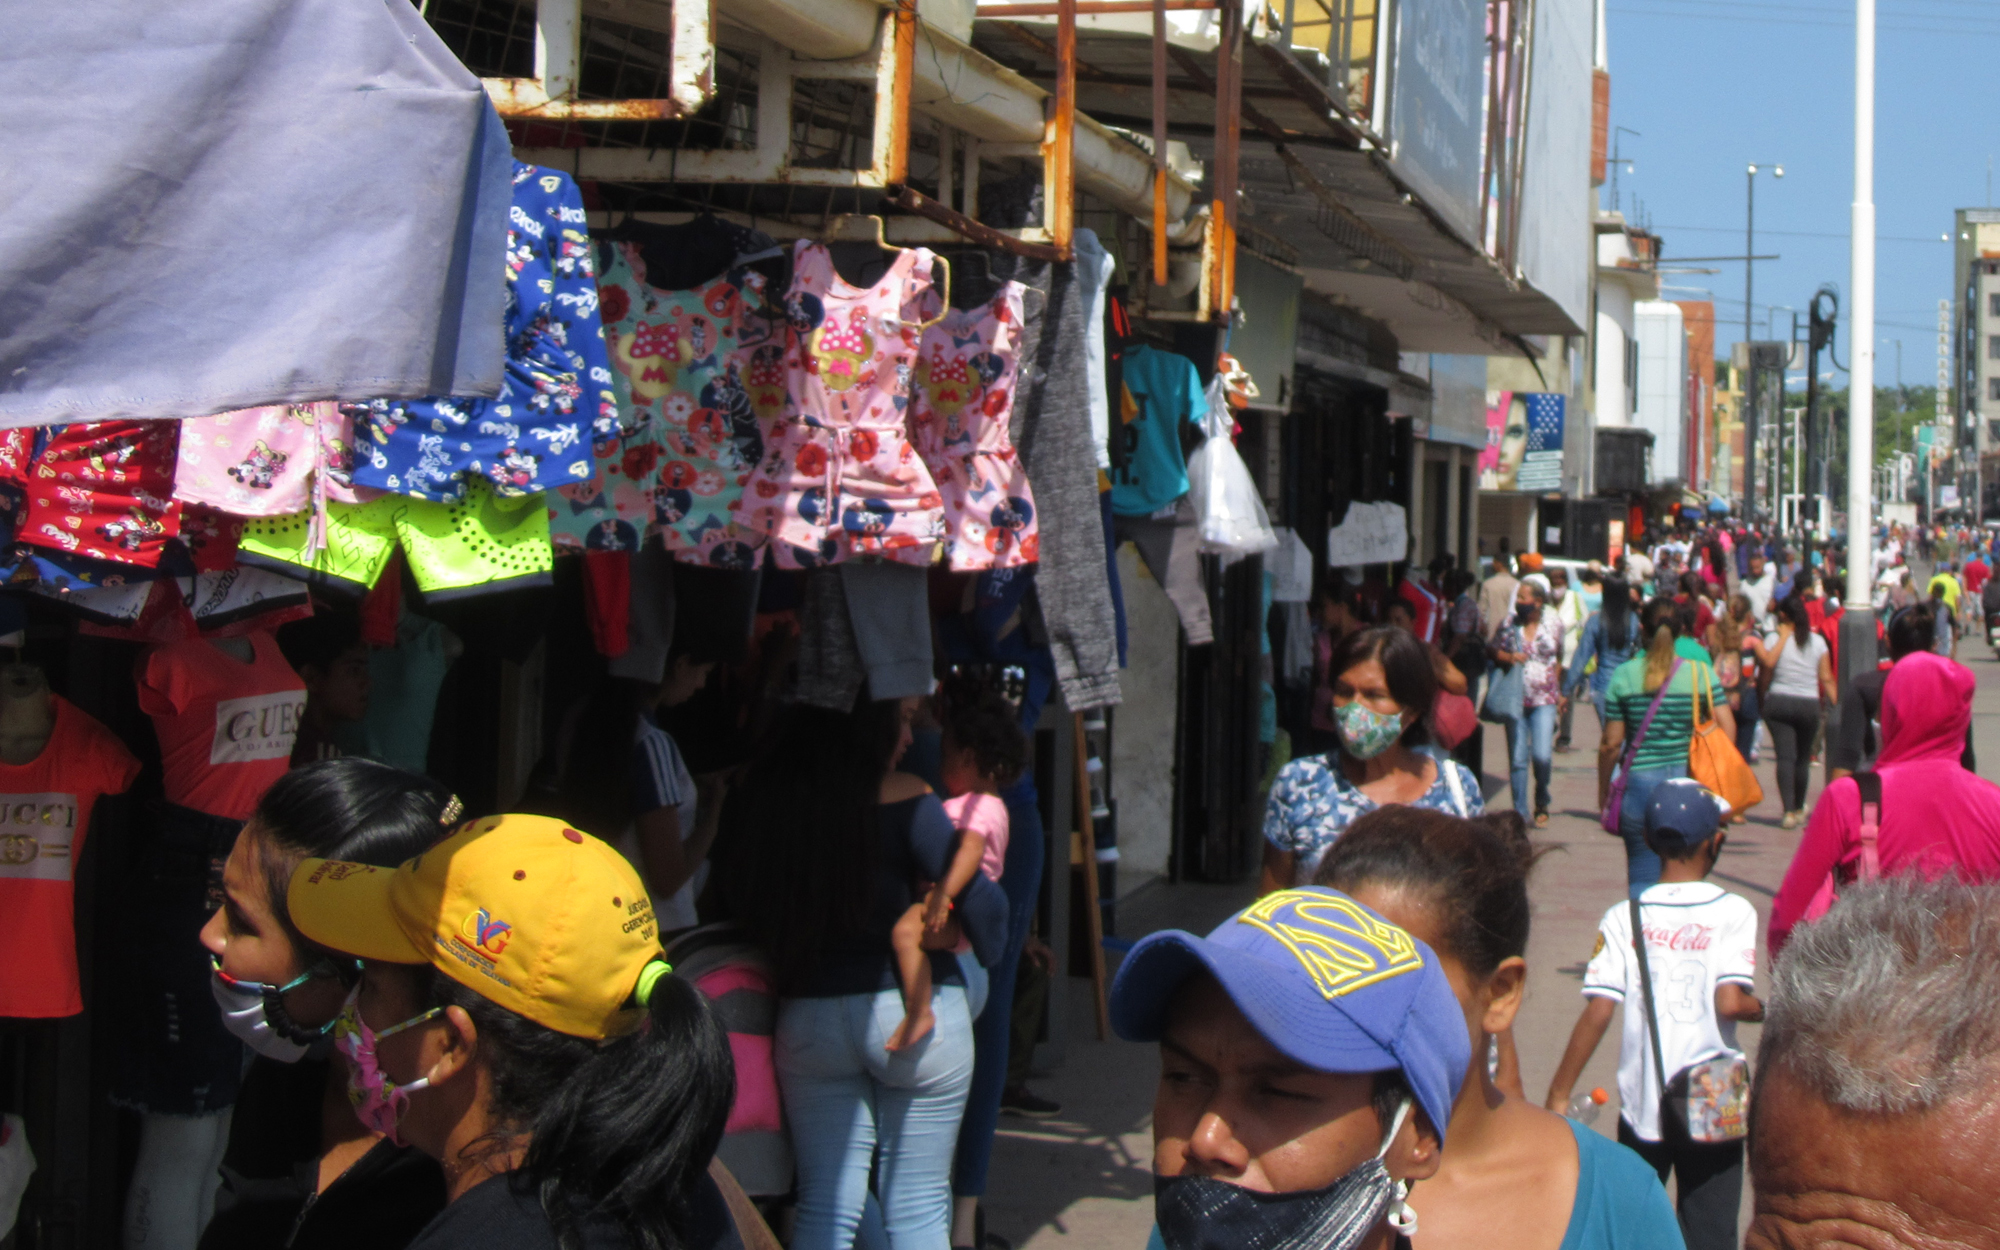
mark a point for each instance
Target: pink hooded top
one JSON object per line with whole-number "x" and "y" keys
{"x": 1936, "y": 816}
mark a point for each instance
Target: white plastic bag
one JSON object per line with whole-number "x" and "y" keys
{"x": 1232, "y": 517}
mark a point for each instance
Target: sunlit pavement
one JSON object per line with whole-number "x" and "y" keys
{"x": 1084, "y": 1179}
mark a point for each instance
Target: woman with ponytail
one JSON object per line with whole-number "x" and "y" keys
{"x": 1659, "y": 752}
{"x": 1610, "y": 637}
{"x": 516, "y": 1021}
{"x": 299, "y": 1170}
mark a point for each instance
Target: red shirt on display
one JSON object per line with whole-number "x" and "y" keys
{"x": 1423, "y": 608}
{"x": 44, "y": 813}
{"x": 226, "y": 728}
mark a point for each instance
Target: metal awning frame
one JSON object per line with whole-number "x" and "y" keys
{"x": 889, "y": 65}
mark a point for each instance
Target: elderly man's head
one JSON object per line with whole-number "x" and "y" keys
{"x": 1878, "y": 1098}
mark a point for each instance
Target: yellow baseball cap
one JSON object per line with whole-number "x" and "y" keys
{"x": 525, "y": 911}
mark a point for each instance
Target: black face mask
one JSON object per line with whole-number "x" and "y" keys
{"x": 1202, "y": 1213}
{"x": 1526, "y": 612}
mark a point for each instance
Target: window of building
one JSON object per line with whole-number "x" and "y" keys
{"x": 1993, "y": 388}
{"x": 1993, "y": 347}
{"x": 1993, "y": 304}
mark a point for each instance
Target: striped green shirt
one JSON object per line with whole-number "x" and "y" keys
{"x": 1666, "y": 743}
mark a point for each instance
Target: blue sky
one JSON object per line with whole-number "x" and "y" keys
{"x": 1713, "y": 85}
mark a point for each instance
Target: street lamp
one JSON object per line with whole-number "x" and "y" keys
{"x": 1750, "y": 244}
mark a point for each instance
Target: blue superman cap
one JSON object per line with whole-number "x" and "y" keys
{"x": 1325, "y": 980}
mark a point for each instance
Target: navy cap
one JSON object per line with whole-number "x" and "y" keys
{"x": 1683, "y": 814}
{"x": 1325, "y": 980}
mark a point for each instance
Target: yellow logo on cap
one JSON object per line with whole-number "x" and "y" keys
{"x": 1341, "y": 947}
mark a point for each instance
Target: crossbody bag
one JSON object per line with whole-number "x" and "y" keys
{"x": 1711, "y": 1097}
{"x": 1614, "y": 798}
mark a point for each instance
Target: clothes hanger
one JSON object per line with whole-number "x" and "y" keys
{"x": 856, "y": 228}
{"x": 868, "y": 228}
{"x": 985, "y": 260}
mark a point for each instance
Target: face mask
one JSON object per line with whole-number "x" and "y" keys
{"x": 1202, "y": 1213}
{"x": 254, "y": 1013}
{"x": 1365, "y": 732}
{"x": 378, "y": 1102}
{"x": 1526, "y": 612}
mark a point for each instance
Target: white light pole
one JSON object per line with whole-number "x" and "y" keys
{"x": 1857, "y": 624}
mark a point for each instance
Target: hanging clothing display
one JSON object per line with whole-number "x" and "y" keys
{"x": 477, "y": 544}
{"x": 1170, "y": 544}
{"x": 959, "y": 406}
{"x": 45, "y": 808}
{"x": 839, "y": 476}
{"x": 689, "y": 254}
{"x": 889, "y": 608}
{"x": 266, "y": 461}
{"x": 830, "y": 670}
{"x": 681, "y": 360}
{"x": 1094, "y": 269}
{"x": 259, "y": 202}
{"x": 1162, "y": 397}
{"x": 104, "y": 491}
{"x": 225, "y": 727}
{"x": 1051, "y": 428}
{"x": 404, "y": 681}
{"x": 557, "y": 401}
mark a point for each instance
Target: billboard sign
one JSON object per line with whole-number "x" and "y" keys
{"x": 1437, "y": 110}
{"x": 1524, "y": 441}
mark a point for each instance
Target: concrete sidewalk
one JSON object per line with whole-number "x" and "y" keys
{"x": 1085, "y": 1180}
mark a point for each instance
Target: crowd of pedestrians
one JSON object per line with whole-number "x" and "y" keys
{"x": 469, "y": 1033}
{"x": 1703, "y": 643}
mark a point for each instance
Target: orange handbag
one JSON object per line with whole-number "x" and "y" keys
{"x": 1714, "y": 761}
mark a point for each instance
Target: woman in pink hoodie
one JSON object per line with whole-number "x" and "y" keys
{"x": 1936, "y": 816}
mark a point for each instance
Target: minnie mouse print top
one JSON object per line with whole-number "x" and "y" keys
{"x": 958, "y": 421}
{"x": 839, "y": 476}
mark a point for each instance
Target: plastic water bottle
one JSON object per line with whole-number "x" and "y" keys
{"x": 1584, "y": 1107}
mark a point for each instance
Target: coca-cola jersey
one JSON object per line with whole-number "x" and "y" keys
{"x": 226, "y": 728}
{"x": 45, "y": 809}
{"x": 1698, "y": 936}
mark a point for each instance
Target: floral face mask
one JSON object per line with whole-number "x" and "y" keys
{"x": 379, "y": 1103}
{"x": 1365, "y": 732}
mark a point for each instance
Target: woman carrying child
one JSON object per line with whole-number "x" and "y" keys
{"x": 984, "y": 753}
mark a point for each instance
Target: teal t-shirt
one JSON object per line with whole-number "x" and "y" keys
{"x": 1688, "y": 649}
{"x": 1149, "y": 469}
{"x": 1626, "y": 699}
{"x": 1620, "y": 1203}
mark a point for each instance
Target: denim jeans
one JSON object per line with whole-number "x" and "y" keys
{"x": 847, "y": 1097}
{"x": 1533, "y": 734}
{"x": 1746, "y": 720}
{"x": 992, "y": 1029}
{"x": 1642, "y": 864}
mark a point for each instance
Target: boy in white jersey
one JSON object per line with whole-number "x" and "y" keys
{"x": 1701, "y": 951}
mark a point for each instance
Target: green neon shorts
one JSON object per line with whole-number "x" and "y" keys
{"x": 472, "y": 545}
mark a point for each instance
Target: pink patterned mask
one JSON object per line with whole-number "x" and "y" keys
{"x": 378, "y": 1102}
